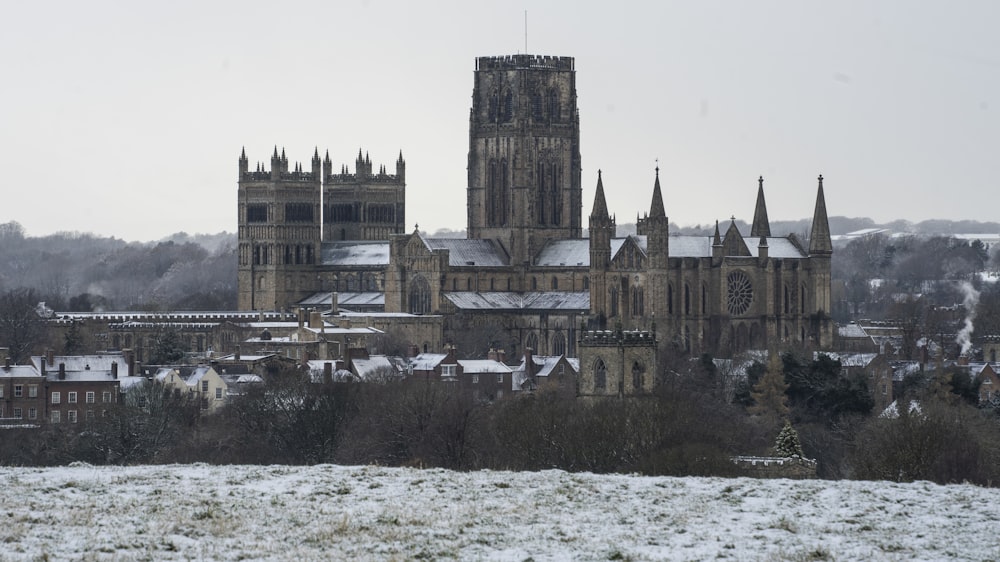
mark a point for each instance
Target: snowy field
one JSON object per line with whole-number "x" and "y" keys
{"x": 200, "y": 512}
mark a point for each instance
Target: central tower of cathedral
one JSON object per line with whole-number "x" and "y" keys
{"x": 524, "y": 153}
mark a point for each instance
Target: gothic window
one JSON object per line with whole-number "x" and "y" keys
{"x": 508, "y": 106}
{"x": 670, "y": 299}
{"x": 554, "y": 194}
{"x": 491, "y": 284}
{"x": 704, "y": 299}
{"x": 739, "y": 294}
{"x": 542, "y": 194}
{"x": 613, "y": 301}
{"x": 420, "y": 296}
{"x": 298, "y": 212}
{"x": 492, "y": 106}
{"x": 534, "y": 284}
{"x": 687, "y": 300}
{"x": 638, "y": 301}
{"x": 536, "y": 106}
{"x": 531, "y": 341}
{"x": 555, "y": 283}
{"x": 352, "y": 283}
{"x": 558, "y": 344}
{"x": 504, "y": 196}
{"x": 637, "y": 371}
{"x": 257, "y": 212}
{"x": 468, "y": 284}
{"x": 586, "y": 283}
{"x": 802, "y": 301}
{"x": 554, "y": 112}
{"x": 600, "y": 375}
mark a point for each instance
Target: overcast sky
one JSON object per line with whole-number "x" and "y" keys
{"x": 127, "y": 118}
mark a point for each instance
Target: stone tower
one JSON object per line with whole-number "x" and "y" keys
{"x": 279, "y": 232}
{"x": 524, "y": 153}
{"x": 365, "y": 205}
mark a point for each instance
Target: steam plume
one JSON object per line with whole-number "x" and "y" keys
{"x": 969, "y": 301}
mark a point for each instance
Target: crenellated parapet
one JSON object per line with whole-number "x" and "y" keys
{"x": 515, "y": 62}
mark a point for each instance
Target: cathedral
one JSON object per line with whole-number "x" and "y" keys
{"x": 525, "y": 277}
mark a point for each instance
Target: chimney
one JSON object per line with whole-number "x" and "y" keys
{"x": 491, "y": 354}
{"x": 50, "y": 356}
{"x": 334, "y": 303}
{"x": 963, "y": 360}
{"x": 301, "y": 316}
{"x": 114, "y": 369}
{"x": 502, "y": 356}
{"x": 529, "y": 363}
{"x": 316, "y": 320}
{"x": 327, "y": 372}
{"x": 6, "y": 364}
{"x": 62, "y": 371}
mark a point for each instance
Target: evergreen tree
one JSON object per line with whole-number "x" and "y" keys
{"x": 787, "y": 444}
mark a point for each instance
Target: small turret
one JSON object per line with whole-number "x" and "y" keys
{"x": 819, "y": 239}
{"x": 657, "y": 229}
{"x": 316, "y": 163}
{"x": 327, "y": 165}
{"x": 359, "y": 165}
{"x": 244, "y": 163}
{"x": 275, "y": 163}
{"x": 401, "y": 167}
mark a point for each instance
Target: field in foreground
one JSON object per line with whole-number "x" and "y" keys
{"x": 375, "y": 513}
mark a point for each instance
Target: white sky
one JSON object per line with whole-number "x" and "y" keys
{"x": 127, "y": 118}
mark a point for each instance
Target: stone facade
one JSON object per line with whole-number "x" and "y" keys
{"x": 525, "y": 266}
{"x": 617, "y": 363}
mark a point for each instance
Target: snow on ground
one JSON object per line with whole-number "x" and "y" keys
{"x": 330, "y": 512}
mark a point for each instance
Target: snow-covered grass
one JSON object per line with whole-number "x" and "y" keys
{"x": 374, "y": 513}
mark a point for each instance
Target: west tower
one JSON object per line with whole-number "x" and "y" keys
{"x": 279, "y": 232}
{"x": 524, "y": 153}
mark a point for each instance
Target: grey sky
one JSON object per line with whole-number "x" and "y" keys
{"x": 127, "y": 118}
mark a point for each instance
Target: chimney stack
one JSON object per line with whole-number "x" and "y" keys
{"x": 114, "y": 369}
{"x": 50, "y": 355}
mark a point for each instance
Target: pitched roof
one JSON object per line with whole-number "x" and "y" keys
{"x": 355, "y": 253}
{"x": 466, "y": 252}
{"x": 532, "y": 300}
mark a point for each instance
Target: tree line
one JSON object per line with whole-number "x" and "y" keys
{"x": 691, "y": 425}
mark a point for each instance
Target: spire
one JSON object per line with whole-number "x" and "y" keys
{"x": 819, "y": 238}
{"x": 716, "y": 240}
{"x": 600, "y": 203}
{"x": 761, "y": 226}
{"x": 243, "y": 153}
{"x": 656, "y": 208}
{"x": 326, "y": 159}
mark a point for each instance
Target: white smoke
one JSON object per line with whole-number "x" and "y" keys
{"x": 969, "y": 301}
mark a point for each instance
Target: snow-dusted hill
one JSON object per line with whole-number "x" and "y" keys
{"x": 374, "y": 513}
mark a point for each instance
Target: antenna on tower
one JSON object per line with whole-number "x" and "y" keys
{"x": 526, "y": 32}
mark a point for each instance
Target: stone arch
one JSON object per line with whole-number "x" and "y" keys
{"x": 600, "y": 375}
{"x": 420, "y": 296}
{"x": 558, "y": 343}
{"x": 531, "y": 341}
{"x": 638, "y": 376}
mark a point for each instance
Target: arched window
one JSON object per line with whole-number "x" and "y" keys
{"x": 704, "y": 299}
{"x": 554, "y": 110}
{"x": 492, "y": 106}
{"x": 468, "y": 284}
{"x": 637, "y": 376}
{"x": 586, "y": 283}
{"x": 802, "y": 302}
{"x": 542, "y": 193}
{"x": 531, "y": 341}
{"x": 420, "y": 296}
{"x": 613, "y": 301}
{"x": 555, "y": 283}
{"x": 558, "y": 344}
{"x": 687, "y": 299}
{"x": 600, "y": 375}
{"x": 534, "y": 284}
{"x": 787, "y": 304}
{"x": 638, "y": 301}
{"x": 536, "y": 106}
{"x": 508, "y": 106}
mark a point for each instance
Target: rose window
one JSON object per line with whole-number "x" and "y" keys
{"x": 740, "y": 293}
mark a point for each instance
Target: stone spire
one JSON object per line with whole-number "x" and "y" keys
{"x": 656, "y": 208}
{"x": 600, "y": 203}
{"x": 819, "y": 238}
{"x": 761, "y": 226}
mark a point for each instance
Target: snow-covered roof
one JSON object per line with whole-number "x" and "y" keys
{"x": 565, "y": 253}
{"x": 81, "y": 362}
{"x": 19, "y": 371}
{"x": 464, "y": 252}
{"x": 373, "y": 367}
{"x": 427, "y": 361}
{"x": 533, "y": 300}
{"x": 849, "y": 359}
{"x": 347, "y": 299}
{"x": 481, "y": 366}
{"x": 573, "y": 253}
{"x": 355, "y": 253}
{"x": 852, "y": 330}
